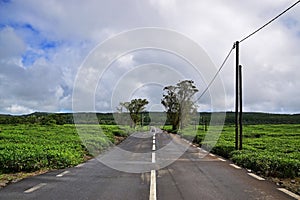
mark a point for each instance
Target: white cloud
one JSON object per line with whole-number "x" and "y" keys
{"x": 270, "y": 59}
{"x": 17, "y": 109}
{"x": 11, "y": 46}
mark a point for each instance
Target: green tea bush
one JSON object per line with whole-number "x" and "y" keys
{"x": 268, "y": 165}
{"x": 223, "y": 150}
{"x": 33, "y": 147}
{"x": 27, "y": 157}
{"x": 272, "y": 150}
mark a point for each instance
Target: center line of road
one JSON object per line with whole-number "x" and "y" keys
{"x": 153, "y": 147}
{"x": 62, "y": 174}
{"x": 34, "y": 188}
{"x": 152, "y": 195}
{"x": 153, "y": 157}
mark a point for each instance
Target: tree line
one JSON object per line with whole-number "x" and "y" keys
{"x": 180, "y": 110}
{"x": 109, "y": 119}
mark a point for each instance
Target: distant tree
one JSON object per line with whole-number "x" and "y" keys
{"x": 178, "y": 103}
{"x": 134, "y": 107}
{"x": 123, "y": 106}
{"x": 46, "y": 120}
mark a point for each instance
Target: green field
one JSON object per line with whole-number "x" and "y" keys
{"x": 270, "y": 150}
{"x": 32, "y": 147}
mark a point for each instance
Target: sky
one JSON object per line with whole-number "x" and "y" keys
{"x": 44, "y": 44}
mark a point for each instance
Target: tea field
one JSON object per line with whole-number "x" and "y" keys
{"x": 32, "y": 147}
{"x": 270, "y": 150}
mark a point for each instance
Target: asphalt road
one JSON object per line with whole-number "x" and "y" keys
{"x": 150, "y": 170}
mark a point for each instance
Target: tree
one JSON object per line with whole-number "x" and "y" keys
{"x": 178, "y": 103}
{"x": 135, "y": 107}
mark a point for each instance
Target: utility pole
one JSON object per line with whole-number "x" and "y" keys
{"x": 237, "y": 96}
{"x": 241, "y": 108}
{"x": 238, "y": 102}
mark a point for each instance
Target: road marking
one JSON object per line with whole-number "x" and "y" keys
{"x": 80, "y": 165}
{"x": 204, "y": 150}
{"x": 62, "y": 174}
{"x": 153, "y": 157}
{"x": 153, "y": 141}
{"x": 152, "y": 195}
{"x": 213, "y": 155}
{"x": 153, "y": 137}
{"x": 153, "y": 147}
{"x": 34, "y": 188}
{"x": 235, "y": 166}
{"x": 221, "y": 159}
{"x": 289, "y": 193}
{"x": 255, "y": 176}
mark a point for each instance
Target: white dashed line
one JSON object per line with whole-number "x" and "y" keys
{"x": 289, "y": 193}
{"x": 152, "y": 195}
{"x": 204, "y": 150}
{"x": 153, "y": 157}
{"x": 255, "y": 176}
{"x": 235, "y": 166}
{"x": 34, "y": 188}
{"x": 221, "y": 159}
{"x": 213, "y": 155}
{"x": 80, "y": 165}
{"x": 62, "y": 174}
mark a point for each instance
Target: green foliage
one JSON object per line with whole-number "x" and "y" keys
{"x": 178, "y": 103}
{"x": 108, "y": 118}
{"x": 135, "y": 107}
{"x": 273, "y": 150}
{"x": 276, "y": 164}
{"x": 30, "y": 147}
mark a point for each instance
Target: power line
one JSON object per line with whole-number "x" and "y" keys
{"x": 217, "y": 73}
{"x": 270, "y": 21}
{"x": 225, "y": 60}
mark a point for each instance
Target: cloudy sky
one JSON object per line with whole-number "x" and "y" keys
{"x": 44, "y": 44}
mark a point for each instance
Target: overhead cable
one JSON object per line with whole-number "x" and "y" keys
{"x": 245, "y": 38}
{"x": 217, "y": 73}
{"x": 251, "y": 34}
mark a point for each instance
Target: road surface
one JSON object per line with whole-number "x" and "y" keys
{"x": 194, "y": 175}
